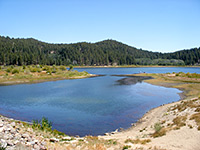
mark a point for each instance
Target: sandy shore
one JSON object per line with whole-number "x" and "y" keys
{"x": 184, "y": 138}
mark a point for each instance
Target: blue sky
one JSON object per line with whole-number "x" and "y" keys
{"x": 156, "y": 25}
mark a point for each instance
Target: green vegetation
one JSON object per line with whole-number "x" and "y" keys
{"x": 126, "y": 147}
{"x": 109, "y": 52}
{"x": 37, "y": 73}
{"x": 159, "y": 130}
{"x": 157, "y": 127}
{"x": 46, "y": 125}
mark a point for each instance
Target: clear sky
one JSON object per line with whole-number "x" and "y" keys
{"x": 156, "y": 25}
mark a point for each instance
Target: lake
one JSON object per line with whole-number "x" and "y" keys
{"x": 90, "y": 106}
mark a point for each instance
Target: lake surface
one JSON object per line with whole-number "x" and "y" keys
{"x": 89, "y": 106}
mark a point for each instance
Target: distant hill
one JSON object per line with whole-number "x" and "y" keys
{"x": 108, "y": 52}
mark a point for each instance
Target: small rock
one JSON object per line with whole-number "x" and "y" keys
{"x": 1, "y": 125}
{"x": 37, "y": 147}
{"x": 10, "y": 143}
{"x": 1, "y": 129}
{"x": 25, "y": 135}
{"x": 66, "y": 138}
{"x": 3, "y": 143}
{"x": 54, "y": 140}
{"x": 7, "y": 129}
{"x": 42, "y": 147}
{"x": 107, "y": 134}
{"x": 13, "y": 124}
{"x": 15, "y": 142}
{"x": 30, "y": 130}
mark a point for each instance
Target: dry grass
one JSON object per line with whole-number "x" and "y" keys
{"x": 138, "y": 141}
{"x": 180, "y": 121}
{"x": 159, "y": 133}
{"x": 196, "y": 118}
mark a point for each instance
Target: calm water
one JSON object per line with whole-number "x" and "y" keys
{"x": 88, "y": 106}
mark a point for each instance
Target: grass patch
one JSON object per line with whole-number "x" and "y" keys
{"x": 138, "y": 141}
{"x": 160, "y": 133}
{"x": 159, "y": 130}
{"x": 180, "y": 121}
{"x": 37, "y": 73}
{"x": 126, "y": 147}
{"x": 196, "y": 118}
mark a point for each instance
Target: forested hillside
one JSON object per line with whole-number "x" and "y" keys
{"x": 108, "y": 52}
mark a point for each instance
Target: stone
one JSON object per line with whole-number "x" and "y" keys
{"x": 13, "y": 124}
{"x": 10, "y": 143}
{"x": 25, "y": 135}
{"x": 7, "y": 129}
{"x": 107, "y": 134}
{"x": 37, "y": 147}
{"x": 1, "y": 125}
{"x": 42, "y": 147}
{"x": 67, "y": 138}
{"x": 54, "y": 140}
{"x": 15, "y": 142}
{"x": 3, "y": 143}
{"x": 30, "y": 130}
{"x": 1, "y": 129}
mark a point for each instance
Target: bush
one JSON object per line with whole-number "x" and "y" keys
{"x": 8, "y": 69}
{"x": 33, "y": 70}
{"x": 15, "y": 71}
{"x": 126, "y": 147}
{"x": 63, "y": 68}
{"x": 44, "y": 124}
{"x": 24, "y": 67}
{"x": 71, "y": 67}
{"x": 157, "y": 127}
{"x": 161, "y": 132}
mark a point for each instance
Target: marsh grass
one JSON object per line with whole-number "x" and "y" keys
{"x": 188, "y": 83}
{"x": 37, "y": 73}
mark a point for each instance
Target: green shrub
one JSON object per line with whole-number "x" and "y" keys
{"x": 33, "y": 70}
{"x": 63, "y": 68}
{"x": 159, "y": 130}
{"x": 157, "y": 127}
{"x": 8, "y": 69}
{"x": 15, "y": 71}
{"x": 44, "y": 124}
{"x": 126, "y": 147}
{"x": 24, "y": 67}
{"x": 71, "y": 67}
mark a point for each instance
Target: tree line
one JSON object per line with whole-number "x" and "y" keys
{"x": 108, "y": 52}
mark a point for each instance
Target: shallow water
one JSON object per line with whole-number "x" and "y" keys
{"x": 89, "y": 106}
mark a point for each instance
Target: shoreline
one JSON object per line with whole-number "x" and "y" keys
{"x": 46, "y": 80}
{"x": 134, "y": 66}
